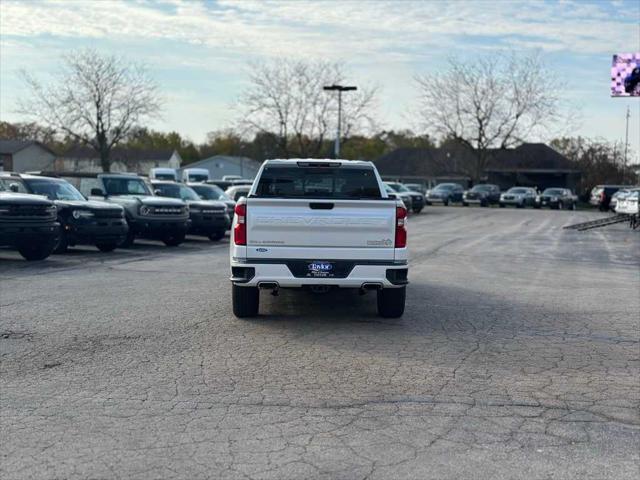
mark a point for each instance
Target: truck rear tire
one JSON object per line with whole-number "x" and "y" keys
{"x": 62, "y": 245}
{"x": 129, "y": 240}
{"x": 246, "y": 301}
{"x": 214, "y": 237}
{"x": 391, "y": 302}
{"x": 173, "y": 239}
{"x": 106, "y": 247}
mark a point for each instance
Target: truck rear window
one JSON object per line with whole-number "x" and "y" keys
{"x": 318, "y": 182}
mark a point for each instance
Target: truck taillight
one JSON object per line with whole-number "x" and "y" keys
{"x": 240, "y": 230}
{"x": 401, "y": 229}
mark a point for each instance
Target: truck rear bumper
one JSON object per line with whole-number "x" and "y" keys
{"x": 380, "y": 274}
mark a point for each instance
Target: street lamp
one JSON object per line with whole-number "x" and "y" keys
{"x": 339, "y": 89}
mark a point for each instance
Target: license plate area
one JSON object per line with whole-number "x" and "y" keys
{"x": 320, "y": 268}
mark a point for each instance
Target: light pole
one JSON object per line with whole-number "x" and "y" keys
{"x": 339, "y": 89}
{"x": 626, "y": 146}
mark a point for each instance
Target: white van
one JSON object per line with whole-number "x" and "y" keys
{"x": 195, "y": 175}
{"x": 163, "y": 174}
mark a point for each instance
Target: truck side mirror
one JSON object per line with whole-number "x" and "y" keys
{"x": 157, "y": 192}
{"x": 97, "y": 192}
{"x": 14, "y": 187}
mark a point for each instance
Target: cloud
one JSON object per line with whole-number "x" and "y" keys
{"x": 351, "y": 29}
{"x": 201, "y": 48}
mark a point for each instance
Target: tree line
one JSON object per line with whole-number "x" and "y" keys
{"x": 500, "y": 101}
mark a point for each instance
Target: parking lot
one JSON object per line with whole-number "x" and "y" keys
{"x": 517, "y": 357}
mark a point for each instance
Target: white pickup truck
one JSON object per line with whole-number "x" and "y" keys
{"x": 319, "y": 224}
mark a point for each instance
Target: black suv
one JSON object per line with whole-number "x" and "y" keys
{"x": 208, "y": 218}
{"x": 484, "y": 194}
{"x": 28, "y": 224}
{"x": 557, "y": 199}
{"x": 158, "y": 218}
{"x": 82, "y": 222}
{"x": 208, "y": 191}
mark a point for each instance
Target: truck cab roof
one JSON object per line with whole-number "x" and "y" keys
{"x": 319, "y": 162}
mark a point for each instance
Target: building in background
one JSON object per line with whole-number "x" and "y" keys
{"x": 25, "y": 156}
{"x": 221, "y": 165}
{"x": 533, "y": 165}
{"x": 530, "y": 164}
{"x": 85, "y": 159}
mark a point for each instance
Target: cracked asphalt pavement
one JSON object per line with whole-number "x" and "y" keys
{"x": 517, "y": 357}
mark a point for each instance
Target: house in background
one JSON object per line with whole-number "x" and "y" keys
{"x": 530, "y": 164}
{"x": 221, "y": 165}
{"x": 85, "y": 159}
{"x": 24, "y": 156}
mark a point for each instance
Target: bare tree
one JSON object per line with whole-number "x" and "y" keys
{"x": 493, "y": 102}
{"x": 95, "y": 99}
{"x": 285, "y": 98}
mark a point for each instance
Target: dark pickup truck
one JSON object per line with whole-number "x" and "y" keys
{"x": 82, "y": 222}
{"x": 148, "y": 216}
{"x": 28, "y": 224}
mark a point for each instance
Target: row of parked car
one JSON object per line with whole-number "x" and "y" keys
{"x": 616, "y": 198}
{"x": 45, "y": 213}
{"x": 415, "y": 196}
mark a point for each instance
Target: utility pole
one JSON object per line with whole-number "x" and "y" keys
{"x": 626, "y": 145}
{"x": 339, "y": 89}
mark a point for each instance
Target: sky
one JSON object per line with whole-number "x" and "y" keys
{"x": 199, "y": 51}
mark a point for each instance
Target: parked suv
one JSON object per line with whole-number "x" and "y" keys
{"x": 319, "y": 224}
{"x": 236, "y": 192}
{"x": 208, "y": 191}
{"x": 601, "y": 196}
{"x": 417, "y": 198}
{"x": 628, "y": 204}
{"x": 159, "y": 218}
{"x": 208, "y": 218}
{"x": 445, "y": 193}
{"x": 404, "y": 196}
{"x": 28, "y": 224}
{"x": 482, "y": 194}
{"x": 557, "y": 198}
{"x": 81, "y": 221}
{"x": 519, "y": 197}
{"x": 416, "y": 187}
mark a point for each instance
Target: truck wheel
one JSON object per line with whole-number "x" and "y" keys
{"x": 417, "y": 210}
{"x": 245, "y": 301}
{"x": 62, "y": 245}
{"x": 36, "y": 251}
{"x": 214, "y": 237}
{"x": 128, "y": 241}
{"x": 446, "y": 203}
{"x": 502, "y": 205}
{"x": 173, "y": 239}
{"x": 465, "y": 204}
{"x": 107, "y": 247}
{"x": 391, "y": 302}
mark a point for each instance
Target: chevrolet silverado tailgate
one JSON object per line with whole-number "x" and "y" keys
{"x": 364, "y": 224}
